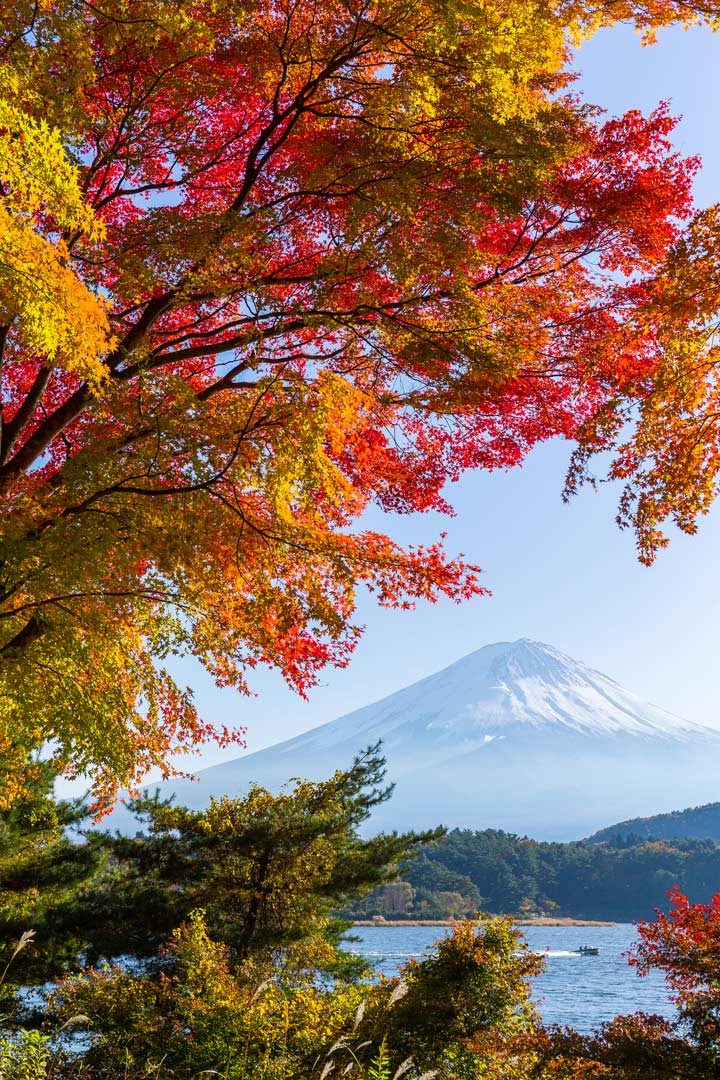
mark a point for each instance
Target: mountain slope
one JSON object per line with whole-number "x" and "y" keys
{"x": 515, "y": 736}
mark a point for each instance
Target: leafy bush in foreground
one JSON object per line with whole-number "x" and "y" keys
{"x": 202, "y": 1014}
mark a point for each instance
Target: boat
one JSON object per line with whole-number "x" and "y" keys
{"x": 587, "y": 950}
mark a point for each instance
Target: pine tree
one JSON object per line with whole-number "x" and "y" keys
{"x": 47, "y": 864}
{"x": 268, "y": 871}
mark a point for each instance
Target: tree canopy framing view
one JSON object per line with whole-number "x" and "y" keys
{"x": 263, "y": 266}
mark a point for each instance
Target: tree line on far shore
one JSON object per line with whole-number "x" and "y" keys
{"x": 622, "y": 878}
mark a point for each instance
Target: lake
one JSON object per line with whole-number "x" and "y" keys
{"x": 582, "y": 991}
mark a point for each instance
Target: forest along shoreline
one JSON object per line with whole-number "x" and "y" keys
{"x": 538, "y": 921}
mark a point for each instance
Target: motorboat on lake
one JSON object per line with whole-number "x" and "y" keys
{"x": 587, "y": 950}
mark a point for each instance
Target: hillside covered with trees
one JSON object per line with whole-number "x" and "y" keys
{"x": 699, "y": 822}
{"x": 618, "y": 880}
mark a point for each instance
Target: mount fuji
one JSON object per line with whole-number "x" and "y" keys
{"x": 515, "y": 736}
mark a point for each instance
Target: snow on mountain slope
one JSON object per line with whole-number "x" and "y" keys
{"x": 502, "y": 690}
{"x": 516, "y": 736}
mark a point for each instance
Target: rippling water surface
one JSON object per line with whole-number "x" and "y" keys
{"x": 579, "y": 990}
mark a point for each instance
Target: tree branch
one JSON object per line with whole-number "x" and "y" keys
{"x": 13, "y": 429}
{"x": 32, "y": 631}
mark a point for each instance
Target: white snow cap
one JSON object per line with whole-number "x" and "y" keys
{"x": 503, "y": 688}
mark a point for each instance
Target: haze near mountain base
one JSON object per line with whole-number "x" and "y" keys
{"x": 516, "y": 736}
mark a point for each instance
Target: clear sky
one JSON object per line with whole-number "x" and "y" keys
{"x": 560, "y": 574}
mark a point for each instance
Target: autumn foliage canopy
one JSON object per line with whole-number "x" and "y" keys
{"x": 264, "y": 265}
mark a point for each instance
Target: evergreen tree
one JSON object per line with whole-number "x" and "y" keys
{"x": 47, "y": 866}
{"x": 267, "y": 870}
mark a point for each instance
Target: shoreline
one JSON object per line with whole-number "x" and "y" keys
{"x": 540, "y": 920}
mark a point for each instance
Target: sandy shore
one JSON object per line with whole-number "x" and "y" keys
{"x": 541, "y": 920}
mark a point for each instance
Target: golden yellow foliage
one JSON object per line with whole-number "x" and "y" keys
{"x": 62, "y": 320}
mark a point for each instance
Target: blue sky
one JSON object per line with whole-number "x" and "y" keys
{"x": 562, "y": 574}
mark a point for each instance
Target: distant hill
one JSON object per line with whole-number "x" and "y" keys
{"x": 697, "y": 822}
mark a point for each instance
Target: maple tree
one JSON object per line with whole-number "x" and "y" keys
{"x": 263, "y": 266}
{"x": 666, "y": 438}
{"x": 684, "y": 944}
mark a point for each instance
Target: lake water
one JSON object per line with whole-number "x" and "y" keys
{"x": 582, "y": 991}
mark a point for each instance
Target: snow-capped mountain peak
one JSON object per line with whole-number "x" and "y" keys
{"x": 501, "y": 690}
{"x": 516, "y": 736}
